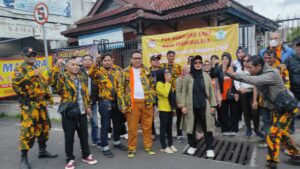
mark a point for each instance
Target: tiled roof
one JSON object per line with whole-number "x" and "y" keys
{"x": 157, "y": 10}
{"x": 140, "y": 14}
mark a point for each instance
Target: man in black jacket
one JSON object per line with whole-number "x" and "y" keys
{"x": 293, "y": 66}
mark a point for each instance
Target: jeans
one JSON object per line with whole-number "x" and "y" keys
{"x": 166, "y": 120}
{"x": 94, "y": 124}
{"x": 108, "y": 110}
{"x": 69, "y": 127}
{"x": 266, "y": 118}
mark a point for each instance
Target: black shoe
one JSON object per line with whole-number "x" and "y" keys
{"x": 121, "y": 147}
{"x": 108, "y": 153}
{"x": 271, "y": 165}
{"x": 43, "y": 153}
{"x": 24, "y": 163}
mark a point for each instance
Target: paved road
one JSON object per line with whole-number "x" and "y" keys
{"x": 9, "y": 158}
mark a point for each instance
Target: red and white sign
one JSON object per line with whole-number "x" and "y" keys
{"x": 41, "y": 13}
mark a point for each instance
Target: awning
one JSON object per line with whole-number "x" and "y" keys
{"x": 12, "y": 48}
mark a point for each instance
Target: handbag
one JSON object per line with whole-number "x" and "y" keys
{"x": 70, "y": 109}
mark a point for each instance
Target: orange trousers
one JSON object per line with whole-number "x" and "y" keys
{"x": 140, "y": 114}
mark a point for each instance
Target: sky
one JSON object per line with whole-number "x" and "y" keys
{"x": 274, "y": 9}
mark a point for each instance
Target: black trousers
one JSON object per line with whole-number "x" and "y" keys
{"x": 166, "y": 120}
{"x": 179, "y": 115}
{"x": 69, "y": 127}
{"x": 229, "y": 116}
{"x": 249, "y": 112}
{"x": 200, "y": 119}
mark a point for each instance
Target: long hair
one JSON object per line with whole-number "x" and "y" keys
{"x": 228, "y": 55}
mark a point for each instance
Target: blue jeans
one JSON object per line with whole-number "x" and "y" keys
{"x": 266, "y": 118}
{"x": 94, "y": 124}
{"x": 109, "y": 110}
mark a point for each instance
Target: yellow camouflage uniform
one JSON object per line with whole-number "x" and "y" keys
{"x": 33, "y": 95}
{"x": 124, "y": 89}
{"x": 66, "y": 88}
{"x": 175, "y": 70}
{"x": 107, "y": 88}
{"x": 116, "y": 68}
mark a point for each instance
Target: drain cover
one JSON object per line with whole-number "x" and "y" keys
{"x": 228, "y": 151}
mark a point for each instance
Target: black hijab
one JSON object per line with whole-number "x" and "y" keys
{"x": 199, "y": 94}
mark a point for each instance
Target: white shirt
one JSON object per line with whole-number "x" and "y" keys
{"x": 237, "y": 64}
{"x": 239, "y": 85}
{"x": 138, "y": 87}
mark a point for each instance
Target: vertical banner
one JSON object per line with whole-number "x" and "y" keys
{"x": 6, "y": 71}
{"x": 200, "y": 41}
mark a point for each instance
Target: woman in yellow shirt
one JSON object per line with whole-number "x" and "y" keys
{"x": 166, "y": 105}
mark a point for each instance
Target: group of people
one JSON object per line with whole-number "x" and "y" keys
{"x": 202, "y": 95}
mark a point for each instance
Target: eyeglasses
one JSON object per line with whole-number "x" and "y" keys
{"x": 137, "y": 58}
{"x": 195, "y": 63}
{"x": 31, "y": 55}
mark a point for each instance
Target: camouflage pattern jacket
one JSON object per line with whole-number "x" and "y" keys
{"x": 107, "y": 82}
{"x": 31, "y": 89}
{"x": 124, "y": 89}
{"x": 66, "y": 88}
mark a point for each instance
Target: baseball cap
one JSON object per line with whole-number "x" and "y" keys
{"x": 27, "y": 51}
{"x": 153, "y": 57}
{"x": 296, "y": 41}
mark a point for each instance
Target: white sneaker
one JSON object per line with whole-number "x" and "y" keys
{"x": 225, "y": 133}
{"x": 90, "y": 160}
{"x": 167, "y": 150}
{"x": 125, "y": 136}
{"x": 70, "y": 165}
{"x": 109, "y": 136}
{"x": 173, "y": 148}
{"x": 191, "y": 151}
{"x": 210, "y": 154}
{"x": 232, "y": 133}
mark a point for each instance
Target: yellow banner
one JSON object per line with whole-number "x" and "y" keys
{"x": 200, "y": 41}
{"x": 6, "y": 71}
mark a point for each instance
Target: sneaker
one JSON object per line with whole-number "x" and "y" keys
{"x": 225, "y": 133}
{"x": 231, "y": 133}
{"x": 131, "y": 154}
{"x": 271, "y": 165}
{"x": 248, "y": 133}
{"x": 70, "y": 165}
{"x": 150, "y": 151}
{"x": 180, "y": 139}
{"x": 262, "y": 144}
{"x": 173, "y": 148}
{"x": 167, "y": 150}
{"x": 121, "y": 147}
{"x": 191, "y": 151}
{"x": 90, "y": 160}
{"x": 124, "y": 136}
{"x": 260, "y": 135}
{"x": 210, "y": 154}
{"x": 94, "y": 144}
{"x": 109, "y": 136}
{"x": 108, "y": 154}
{"x": 99, "y": 145}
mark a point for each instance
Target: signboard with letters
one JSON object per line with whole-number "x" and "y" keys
{"x": 56, "y": 7}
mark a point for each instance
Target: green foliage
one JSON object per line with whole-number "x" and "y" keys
{"x": 294, "y": 33}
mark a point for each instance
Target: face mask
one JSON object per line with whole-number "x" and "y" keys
{"x": 273, "y": 43}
